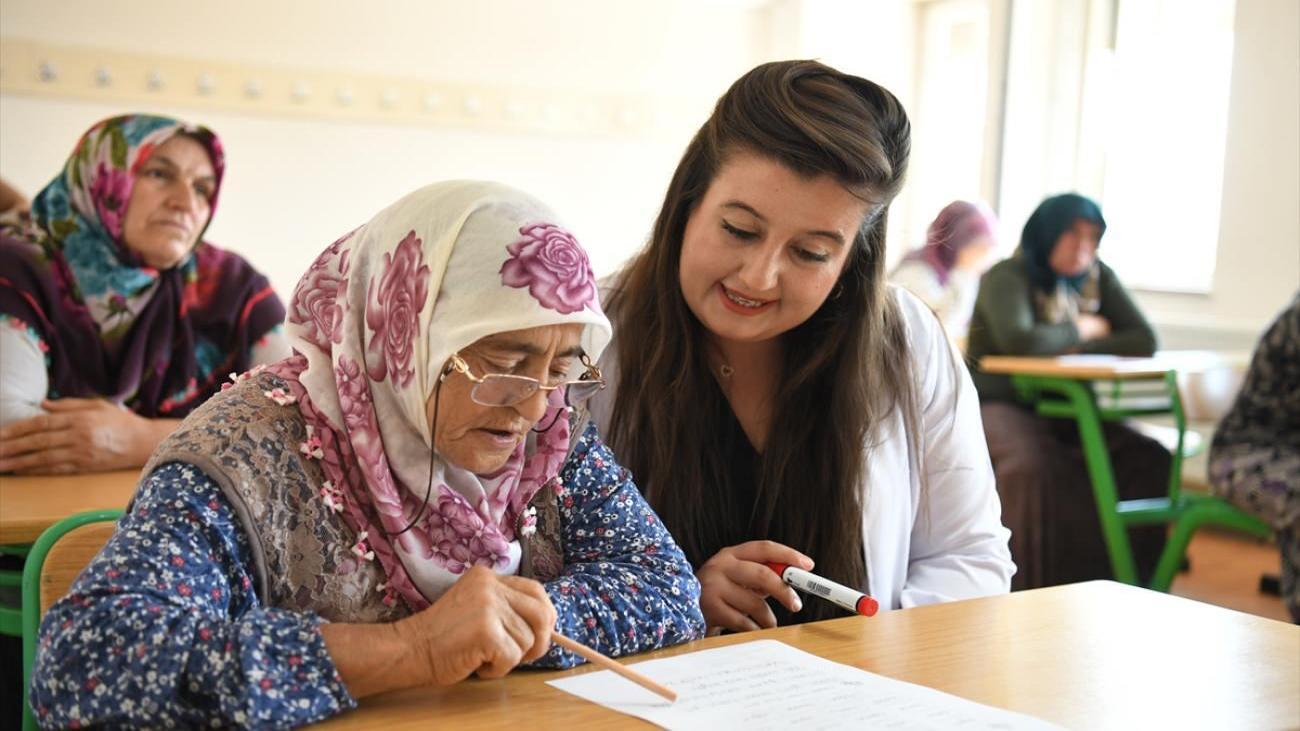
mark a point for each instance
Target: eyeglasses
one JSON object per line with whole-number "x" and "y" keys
{"x": 500, "y": 389}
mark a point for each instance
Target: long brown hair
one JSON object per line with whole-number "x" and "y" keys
{"x": 844, "y": 369}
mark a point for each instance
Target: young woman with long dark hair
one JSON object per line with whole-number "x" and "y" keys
{"x": 776, "y": 399}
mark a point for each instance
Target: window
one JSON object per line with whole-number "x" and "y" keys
{"x": 1157, "y": 107}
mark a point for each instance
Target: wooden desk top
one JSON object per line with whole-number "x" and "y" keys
{"x": 29, "y": 505}
{"x": 1092, "y": 655}
{"x": 1088, "y": 366}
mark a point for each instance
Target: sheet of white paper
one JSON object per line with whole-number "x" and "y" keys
{"x": 767, "y": 684}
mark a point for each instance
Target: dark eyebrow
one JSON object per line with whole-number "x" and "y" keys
{"x": 834, "y": 236}
{"x": 519, "y": 346}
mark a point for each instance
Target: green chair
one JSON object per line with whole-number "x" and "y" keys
{"x": 42, "y": 584}
{"x": 1185, "y": 513}
{"x": 11, "y": 622}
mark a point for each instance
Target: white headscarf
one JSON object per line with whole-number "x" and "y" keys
{"x": 376, "y": 318}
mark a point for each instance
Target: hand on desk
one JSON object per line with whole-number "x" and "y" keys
{"x": 485, "y": 624}
{"x": 1091, "y": 327}
{"x": 735, "y": 584}
{"x": 80, "y": 435}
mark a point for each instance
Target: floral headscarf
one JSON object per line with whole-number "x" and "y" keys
{"x": 375, "y": 319}
{"x": 159, "y": 342}
{"x": 957, "y": 226}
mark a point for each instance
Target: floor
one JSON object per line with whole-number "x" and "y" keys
{"x": 1225, "y": 570}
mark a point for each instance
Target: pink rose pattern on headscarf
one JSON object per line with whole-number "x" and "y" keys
{"x": 549, "y": 262}
{"x": 110, "y": 191}
{"x": 369, "y": 343}
{"x": 315, "y": 301}
{"x": 393, "y": 311}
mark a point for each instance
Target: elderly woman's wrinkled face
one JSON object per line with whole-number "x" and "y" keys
{"x": 481, "y": 438}
{"x": 171, "y": 200}
{"x": 1076, "y": 249}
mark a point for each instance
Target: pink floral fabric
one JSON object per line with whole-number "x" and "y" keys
{"x": 315, "y": 303}
{"x": 549, "y": 262}
{"x": 393, "y": 311}
{"x": 110, "y": 191}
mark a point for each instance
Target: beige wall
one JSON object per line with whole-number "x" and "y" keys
{"x": 296, "y": 182}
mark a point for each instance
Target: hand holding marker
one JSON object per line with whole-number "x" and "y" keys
{"x": 854, "y": 601}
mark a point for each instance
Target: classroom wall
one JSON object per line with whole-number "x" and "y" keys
{"x": 296, "y": 181}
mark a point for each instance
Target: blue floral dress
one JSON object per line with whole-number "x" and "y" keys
{"x": 164, "y": 627}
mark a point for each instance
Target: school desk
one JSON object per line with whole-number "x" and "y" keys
{"x": 1095, "y": 655}
{"x": 29, "y": 505}
{"x": 1094, "y": 388}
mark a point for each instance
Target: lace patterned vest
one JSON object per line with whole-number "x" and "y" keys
{"x": 302, "y": 550}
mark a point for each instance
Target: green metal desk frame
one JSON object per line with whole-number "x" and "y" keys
{"x": 1071, "y": 398}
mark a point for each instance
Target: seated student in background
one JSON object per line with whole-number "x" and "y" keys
{"x": 402, "y": 502}
{"x": 1054, "y": 296}
{"x": 116, "y": 318}
{"x": 945, "y": 272}
{"x": 1255, "y": 455}
{"x": 776, "y": 398}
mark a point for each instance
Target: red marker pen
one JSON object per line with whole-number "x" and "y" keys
{"x": 854, "y": 601}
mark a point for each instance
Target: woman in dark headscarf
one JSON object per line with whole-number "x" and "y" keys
{"x": 116, "y": 318}
{"x": 1054, "y": 296}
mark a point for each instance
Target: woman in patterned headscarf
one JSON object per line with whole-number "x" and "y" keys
{"x": 116, "y": 318}
{"x": 410, "y": 498}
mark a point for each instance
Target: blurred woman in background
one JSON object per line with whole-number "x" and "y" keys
{"x": 1054, "y": 296}
{"x": 945, "y": 273}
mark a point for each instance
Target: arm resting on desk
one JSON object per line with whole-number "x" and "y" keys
{"x": 1130, "y": 333}
{"x": 626, "y": 586}
{"x": 164, "y": 627}
{"x": 1007, "y": 311}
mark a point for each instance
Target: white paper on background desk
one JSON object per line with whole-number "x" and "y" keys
{"x": 767, "y": 684}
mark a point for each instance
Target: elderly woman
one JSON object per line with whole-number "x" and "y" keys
{"x": 1055, "y": 296}
{"x": 407, "y": 500}
{"x": 116, "y": 318}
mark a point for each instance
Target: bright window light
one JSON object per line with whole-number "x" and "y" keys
{"x": 1159, "y": 107}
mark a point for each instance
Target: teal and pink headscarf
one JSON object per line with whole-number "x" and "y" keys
{"x": 158, "y": 342}
{"x": 373, "y": 322}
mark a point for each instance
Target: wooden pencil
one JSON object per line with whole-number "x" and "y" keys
{"x": 595, "y": 658}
